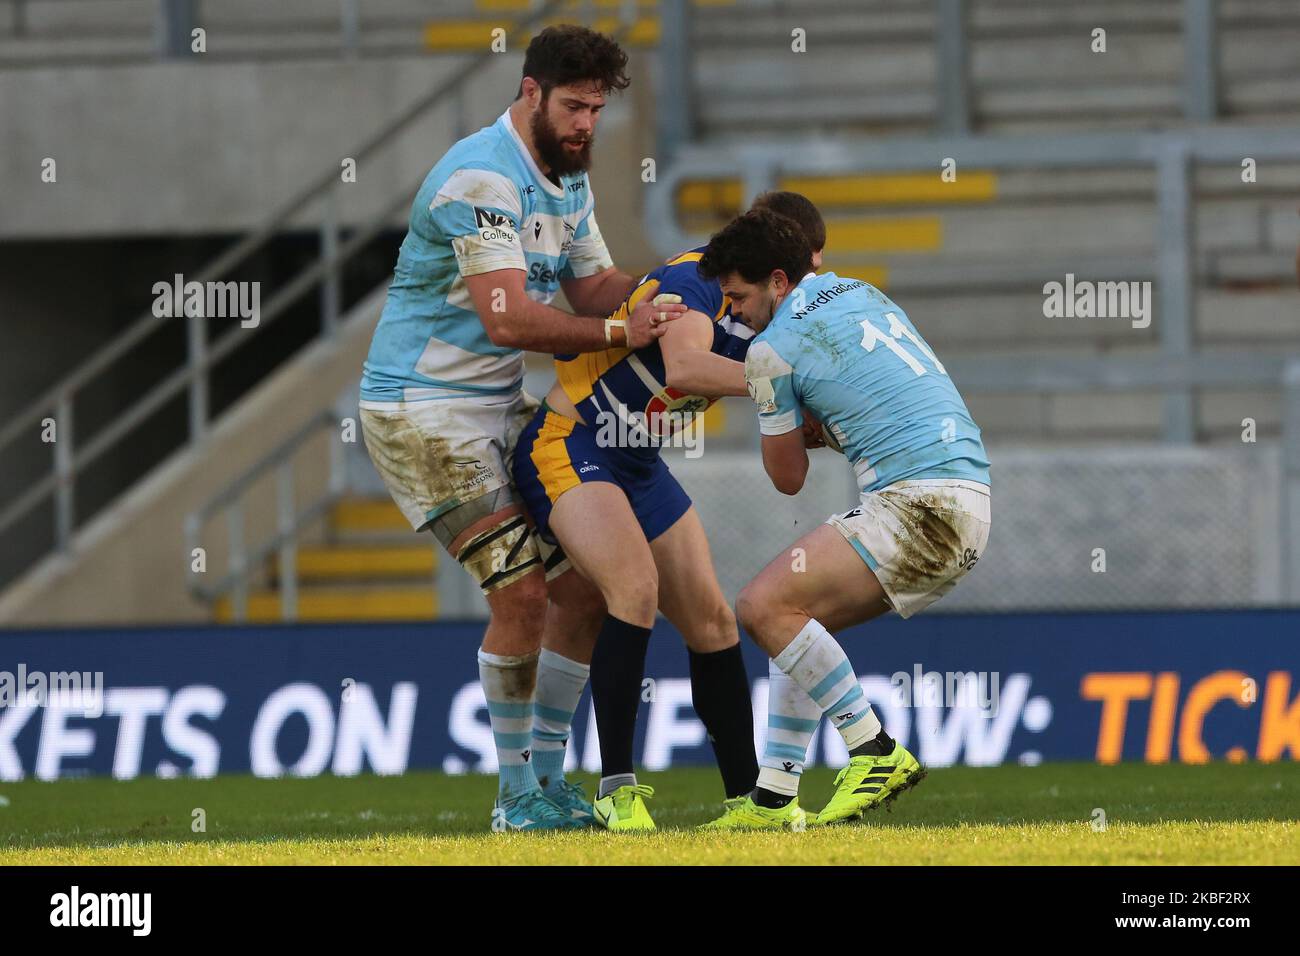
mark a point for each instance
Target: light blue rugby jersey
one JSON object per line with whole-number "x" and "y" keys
{"x": 484, "y": 206}
{"x": 845, "y": 351}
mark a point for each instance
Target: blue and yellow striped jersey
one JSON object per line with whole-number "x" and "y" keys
{"x": 622, "y": 381}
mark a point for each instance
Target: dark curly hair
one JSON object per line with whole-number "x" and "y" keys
{"x": 567, "y": 54}
{"x": 799, "y": 208}
{"x": 755, "y": 245}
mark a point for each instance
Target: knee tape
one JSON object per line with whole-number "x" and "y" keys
{"x": 501, "y": 555}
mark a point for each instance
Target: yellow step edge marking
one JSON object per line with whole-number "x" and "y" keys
{"x": 909, "y": 234}
{"x": 363, "y": 562}
{"x": 895, "y": 188}
{"x": 522, "y": 6}
{"x": 461, "y": 36}
{"x": 367, "y": 515}
{"x": 888, "y": 189}
{"x": 644, "y": 32}
{"x": 388, "y": 604}
{"x": 875, "y": 275}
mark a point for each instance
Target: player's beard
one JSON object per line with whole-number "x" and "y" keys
{"x": 767, "y": 308}
{"x": 560, "y": 160}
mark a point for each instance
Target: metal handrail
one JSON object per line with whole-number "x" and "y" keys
{"x": 59, "y": 399}
{"x": 233, "y": 491}
{"x": 290, "y": 520}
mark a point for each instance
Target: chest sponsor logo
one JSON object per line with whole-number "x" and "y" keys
{"x": 539, "y": 272}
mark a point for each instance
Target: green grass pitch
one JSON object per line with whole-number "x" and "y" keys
{"x": 1172, "y": 814}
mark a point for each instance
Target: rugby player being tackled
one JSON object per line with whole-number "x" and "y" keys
{"x": 590, "y": 471}
{"x": 836, "y": 359}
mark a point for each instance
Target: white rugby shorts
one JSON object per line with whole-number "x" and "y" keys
{"x": 438, "y": 454}
{"x": 919, "y": 537}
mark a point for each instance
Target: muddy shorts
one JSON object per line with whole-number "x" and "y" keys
{"x": 919, "y": 537}
{"x": 435, "y": 456}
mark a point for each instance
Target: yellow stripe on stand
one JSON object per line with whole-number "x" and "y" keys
{"x": 907, "y": 234}
{"x": 884, "y": 189}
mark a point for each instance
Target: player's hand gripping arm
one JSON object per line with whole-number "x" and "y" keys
{"x": 689, "y": 364}
{"x": 513, "y": 320}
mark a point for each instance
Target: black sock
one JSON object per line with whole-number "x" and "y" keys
{"x": 878, "y": 746}
{"x": 770, "y": 798}
{"x": 617, "y": 666}
{"x": 720, "y": 692}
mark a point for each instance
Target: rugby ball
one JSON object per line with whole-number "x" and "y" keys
{"x": 829, "y": 438}
{"x": 812, "y": 423}
{"x": 665, "y": 415}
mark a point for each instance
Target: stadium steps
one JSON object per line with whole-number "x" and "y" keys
{"x": 368, "y": 520}
{"x": 884, "y": 79}
{"x": 322, "y": 605}
{"x": 103, "y": 32}
{"x": 464, "y": 36}
{"x": 723, "y": 197}
{"x": 368, "y": 567}
{"x": 345, "y": 564}
{"x": 917, "y": 233}
{"x": 706, "y": 205}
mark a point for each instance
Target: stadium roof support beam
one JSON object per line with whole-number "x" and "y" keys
{"x": 173, "y": 25}
{"x": 676, "y": 107}
{"x": 1290, "y": 535}
{"x": 350, "y": 26}
{"x": 1176, "y": 292}
{"x": 952, "y": 63}
{"x": 1200, "y": 61}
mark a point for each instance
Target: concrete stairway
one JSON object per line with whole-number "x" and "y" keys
{"x": 369, "y": 566}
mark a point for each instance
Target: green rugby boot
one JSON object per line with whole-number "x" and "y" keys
{"x": 869, "y": 782}
{"x": 742, "y": 813}
{"x": 625, "y": 808}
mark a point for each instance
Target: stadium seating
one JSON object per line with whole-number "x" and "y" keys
{"x": 367, "y": 567}
{"x": 967, "y": 259}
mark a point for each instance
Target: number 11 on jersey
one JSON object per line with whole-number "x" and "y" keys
{"x": 892, "y": 341}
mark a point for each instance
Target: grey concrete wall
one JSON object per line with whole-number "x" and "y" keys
{"x": 180, "y": 149}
